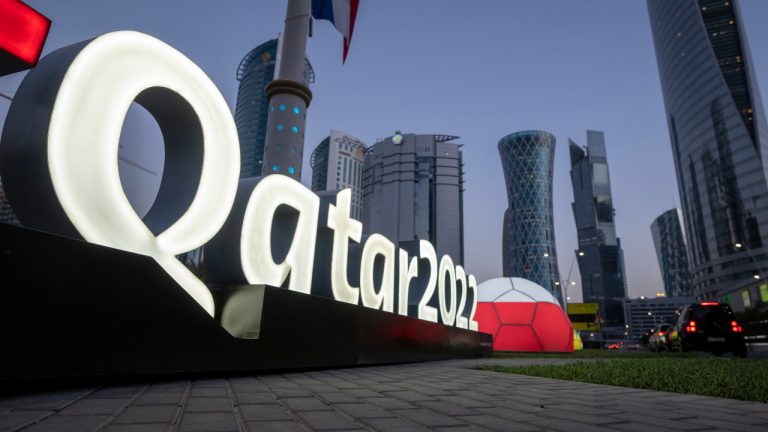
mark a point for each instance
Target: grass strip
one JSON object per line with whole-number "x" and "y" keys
{"x": 730, "y": 378}
{"x": 600, "y": 354}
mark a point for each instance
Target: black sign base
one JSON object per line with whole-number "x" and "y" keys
{"x": 71, "y": 308}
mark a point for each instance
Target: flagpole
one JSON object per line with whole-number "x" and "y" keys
{"x": 289, "y": 97}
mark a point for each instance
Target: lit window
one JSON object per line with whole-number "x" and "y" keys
{"x": 280, "y": 127}
{"x": 275, "y": 168}
{"x": 291, "y": 170}
{"x": 283, "y": 107}
{"x": 294, "y": 129}
{"x": 296, "y": 110}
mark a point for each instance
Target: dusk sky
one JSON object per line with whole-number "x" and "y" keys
{"x": 479, "y": 70}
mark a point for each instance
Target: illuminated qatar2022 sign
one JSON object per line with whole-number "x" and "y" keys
{"x": 59, "y": 164}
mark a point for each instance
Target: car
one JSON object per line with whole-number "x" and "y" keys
{"x": 647, "y": 335}
{"x": 658, "y": 341}
{"x": 632, "y": 346}
{"x": 708, "y": 326}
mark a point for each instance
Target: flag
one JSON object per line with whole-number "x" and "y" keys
{"x": 341, "y": 13}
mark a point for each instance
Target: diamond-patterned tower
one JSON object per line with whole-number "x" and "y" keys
{"x": 528, "y": 233}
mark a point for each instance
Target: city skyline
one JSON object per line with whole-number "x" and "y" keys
{"x": 626, "y": 104}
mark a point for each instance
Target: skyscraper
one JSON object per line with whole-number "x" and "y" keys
{"x": 337, "y": 163}
{"x": 256, "y": 70}
{"x": 672, "y": 251}
{"x": 600, "y": 258}
{"x": 719, "y": 139}
{"x": 413, "y": 189}
{"x": 528, "y": 235}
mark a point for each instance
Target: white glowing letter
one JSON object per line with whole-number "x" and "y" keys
{"x": 258, "y": 264}
{"x": 461, "y": 276}
{"x": 448, "y": 314}
{"x": 102, "y": 81}
{"x": 427, "y": 252}
{"x": 472, "y": 284}
{"x": 377, "y": 244}
{"x": 407, "y": 272}
{"x": 344, "y": 228}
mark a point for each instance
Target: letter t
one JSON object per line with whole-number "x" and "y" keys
{"x": 344, "y": 228}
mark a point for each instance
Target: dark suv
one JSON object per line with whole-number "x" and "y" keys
{"x": 708, "y": 326}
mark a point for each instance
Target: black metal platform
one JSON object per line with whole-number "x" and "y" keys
{"x": 71, "y": 308}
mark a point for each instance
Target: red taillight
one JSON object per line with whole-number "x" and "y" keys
{"x": 691, "y": 327}
{"x": 735, "y": 327}
{"x": 709, "y": 304}
{"x": 661, "y": 333}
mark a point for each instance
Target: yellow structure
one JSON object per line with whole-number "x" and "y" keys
{"x": 584, "y": 316}
{"x": 577, "y": 345}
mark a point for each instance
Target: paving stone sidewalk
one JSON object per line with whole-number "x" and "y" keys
{"x": 444, "y": 396}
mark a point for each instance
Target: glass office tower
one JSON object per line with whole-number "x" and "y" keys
{"x": 600, "y": 258}
{"x": 671, "y": 249}
{"x": 337, "y": 163}
{"x": 719, "y": 140}
{"x": 528, "y": 239}
{"x": 256, "y": 70}
{"x": 413, "y": 190}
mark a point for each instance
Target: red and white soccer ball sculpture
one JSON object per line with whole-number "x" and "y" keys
{"x": 522, "y": 316}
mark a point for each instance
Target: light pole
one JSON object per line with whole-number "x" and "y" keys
{"x": 759, "y": 274}
{"x": 568, "y": 280}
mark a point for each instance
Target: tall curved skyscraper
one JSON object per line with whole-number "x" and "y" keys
{"x": 528, "y": 233}
{"x": 256, "y": 70}
{"x": 600, "y": 256}
{"x": 719, "y": 140}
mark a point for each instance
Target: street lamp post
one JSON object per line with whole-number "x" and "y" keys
{"x": 568, "y": 280}
{"x": 759, "y": 274}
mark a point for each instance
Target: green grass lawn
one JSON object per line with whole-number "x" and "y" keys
{"x": 600, "y": 354}
{"x": 731, "y": 378}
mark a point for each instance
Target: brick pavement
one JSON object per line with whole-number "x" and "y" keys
{"x": 444, "y": 396}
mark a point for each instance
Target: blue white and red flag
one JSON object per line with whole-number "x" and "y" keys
{"x": 341, "y": 13}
